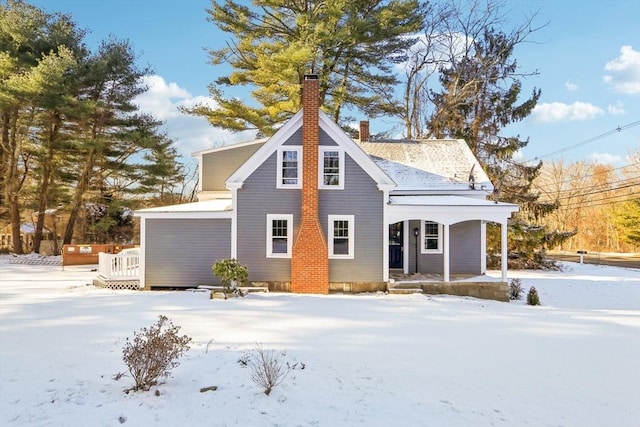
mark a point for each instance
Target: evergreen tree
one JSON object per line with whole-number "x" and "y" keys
{"x": 351, "y": 44}
{"x": 479, "y": 97}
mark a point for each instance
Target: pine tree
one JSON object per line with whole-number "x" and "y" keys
{"x": 480, "y": 96}
{"x": 351, "y": 44}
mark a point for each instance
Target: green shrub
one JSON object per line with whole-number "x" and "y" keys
{"x": 532, "y": 297}
{"x": 153, "y": 352}
{"x": 231, "y": 273}
{"x": 515, "y": 289}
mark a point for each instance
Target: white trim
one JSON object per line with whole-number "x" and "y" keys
{"x": 385, "y": 239}
{"x": 407, "y": 246}
{"x": 143, "y": 250}
{"x": 445, "y": 251}
{"x": 270, "y": 219}
{"x": 321, "y": 171}
{"x": 298, "y": 150}
{"x": 355, "y": 152}
{"x": 483, "y": 247}
{"x": 423, "y": 238}
{"x": 352, "y": 238}
{"x": 334, "y": 132}
{"x": 234, "y": 223}
{"x": 263, "y": 153}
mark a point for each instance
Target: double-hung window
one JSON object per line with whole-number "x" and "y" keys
{"x": 279, "y": 236}
{"x": 341, "y": 236}
{"x": 431, "y": 237}
{"x": 331, "y": 168}
{"x": 289, "y": 167}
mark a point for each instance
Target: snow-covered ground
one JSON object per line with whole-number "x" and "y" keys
{"x": 370, "y": 360}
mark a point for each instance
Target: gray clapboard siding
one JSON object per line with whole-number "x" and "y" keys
{"x": 180, "y": 252}
{"x": 362, "y": 199}
{"x": 257, "y": 198}
{"x": 464, "y": 256}
{"x": 464, "y": 253}
{"x": 219, "y": 165}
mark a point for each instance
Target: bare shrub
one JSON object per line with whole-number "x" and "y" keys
{"x": 153, "y": 352}
{"x": 267, "y": 369}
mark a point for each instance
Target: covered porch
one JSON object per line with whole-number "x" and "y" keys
{"x": 441, "y": 239}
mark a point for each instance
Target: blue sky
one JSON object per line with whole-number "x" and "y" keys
{"x": 588, "y": 57}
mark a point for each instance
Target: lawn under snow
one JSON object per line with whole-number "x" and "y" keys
{"x": 370, "y": 360}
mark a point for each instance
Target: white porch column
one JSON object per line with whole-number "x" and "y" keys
{"x": 503, "y": 250}
{"x": 445, "y": 252}
{"x": 142, "y": 271}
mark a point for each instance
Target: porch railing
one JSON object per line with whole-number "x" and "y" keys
{"x": 122, "y": 266}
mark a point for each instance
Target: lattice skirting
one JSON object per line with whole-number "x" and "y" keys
{"x": 133, "y": 285}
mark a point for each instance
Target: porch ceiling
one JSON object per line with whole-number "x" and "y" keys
{"x": 447, "y": 209}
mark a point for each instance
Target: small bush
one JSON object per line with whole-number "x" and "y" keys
{"x": 267, "y": 369}
{"x": 153, "y": 353}
{"x": 515, "y": 289}
{"x": 231, "y": 273}
{"x": 532, "y": 297}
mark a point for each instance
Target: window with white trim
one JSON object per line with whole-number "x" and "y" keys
{"x": 289, "y": 167}
{"x": 331, "y": 168}
{"x": 341, "y": 236}
{"x": 431, "y": 237}
{"x": 279, "y": 236}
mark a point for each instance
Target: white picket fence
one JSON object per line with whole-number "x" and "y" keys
{"x": 122, "y": 266}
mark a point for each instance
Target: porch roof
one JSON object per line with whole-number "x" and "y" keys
{"x": 447, "y": 209}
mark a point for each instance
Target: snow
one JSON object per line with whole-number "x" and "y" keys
{"x": 371, "y": 360}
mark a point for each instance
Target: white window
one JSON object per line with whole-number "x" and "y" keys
{"x": 331, "y": 168}
{"x": 279, "y": 236}
{"x": 341, "y": 236}
{"x": 289, "y": 167}
{"x": 431, "y": 237}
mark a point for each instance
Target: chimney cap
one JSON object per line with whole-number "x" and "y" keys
{"x": 311, "y": 77}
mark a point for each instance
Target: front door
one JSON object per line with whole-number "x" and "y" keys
{"x": 395, "y": 245}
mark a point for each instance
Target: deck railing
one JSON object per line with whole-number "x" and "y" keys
{"x": 122, "y": 266}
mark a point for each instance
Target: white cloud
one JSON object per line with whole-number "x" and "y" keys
{"x": 627, "y": 71}
{"x": 605, "y": 158}
{"x": 191, "y": 133}
{"x": 616, "y": 109}
{"x": 560, "y": 112}
{"x": 571, "y": 87}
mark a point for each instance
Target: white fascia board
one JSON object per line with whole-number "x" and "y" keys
{"x": 355, "y": 152}
{"x": 236, "y": 180}
{"x": 450, "y": 214}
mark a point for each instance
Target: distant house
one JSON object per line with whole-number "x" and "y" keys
{"x": 311, "y": 210}
{"x": 27, "y": 236}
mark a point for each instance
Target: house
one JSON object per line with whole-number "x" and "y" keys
{"x": 48, "y": 244}
{"x": 311, "y": 210}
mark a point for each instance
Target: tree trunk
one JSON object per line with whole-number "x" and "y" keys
{"x": 47, "y": 167}
{"x": 81, "y": 189}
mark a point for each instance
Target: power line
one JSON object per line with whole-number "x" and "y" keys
{"x": 590, "y": 175}
{"x": 588, "y": 141}
{"x": 599, "y": 188}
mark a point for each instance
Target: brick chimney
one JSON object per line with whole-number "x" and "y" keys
{"x": 310, "y": 259}
{"x": 364, "y": 131}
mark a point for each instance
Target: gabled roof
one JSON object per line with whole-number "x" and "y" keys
{"x": 432, "y": 164}
{"x": 236, "y": 180}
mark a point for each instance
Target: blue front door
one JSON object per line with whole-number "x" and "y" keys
{"x": 396, "y": 245}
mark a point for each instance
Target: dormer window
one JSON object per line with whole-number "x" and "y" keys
{"x": 289, "y": 167}
{"x": 331, "y": 168}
